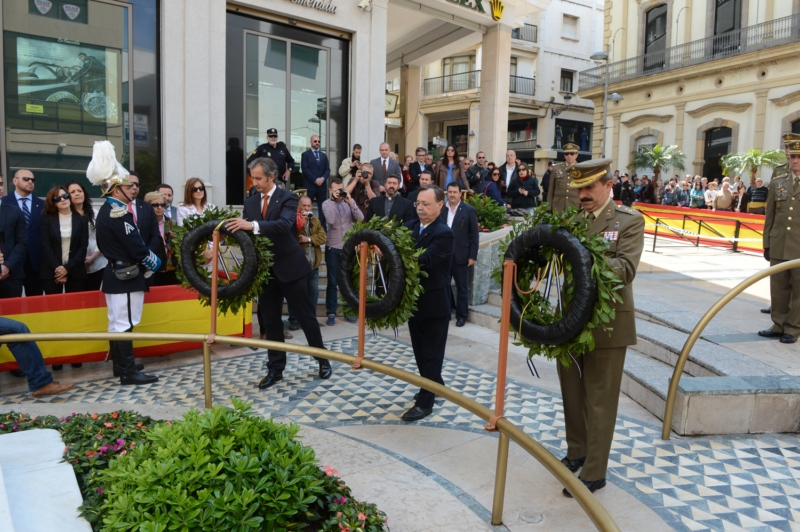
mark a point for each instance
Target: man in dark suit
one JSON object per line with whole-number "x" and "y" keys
{"x": 32, "y": 208}
{"x": 316, "y": 169}
{"x": 463, "y": 220}
{"x": 384, "y": 166}
{"x": 14, "y": 247}
{"x": 392, "y": 205}
{"x": 509, "y": 169}
{"x": 416, "y": 168}
{"x": 273, "y": 213}
{"x": 170, "y": 212}
{"x": 428, "y": 326}
{"x": 145, "y": 218}
{"x": 425, "y": 178}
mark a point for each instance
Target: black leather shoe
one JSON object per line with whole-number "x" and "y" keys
{"x": 769, "y": 333}
{"x": 139, "y": 367}
{"x": 78, "y": 365}
{"x": 325, "y": 370}
{"x": 460, "y": 322}
{"x": 270, "y": 380}
{"x": 17, "y": 373}
{"x": 135, "y": 378}
{"x": 416, "y": 413}
{"x": 788, "y": 339}
{"x": 294, "y": 326}
{"x": 58, "y": 367}
{"x": 593, "y": 486}
{"x": 767, "y": 310}
{"x": 573, "y": 465}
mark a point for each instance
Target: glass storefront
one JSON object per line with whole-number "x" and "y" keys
{"x": 572, "y": 131}
{"x": 67, "y": 72}
{"x": 286, "y": 78}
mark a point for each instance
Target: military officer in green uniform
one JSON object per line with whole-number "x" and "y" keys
{"x": 560, "y": 195}
{"x": 278, "y": 152}
{"x": 782, "y": 243}
{"x": 590, "y": 387}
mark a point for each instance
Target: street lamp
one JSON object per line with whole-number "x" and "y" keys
{"x": 555, "y": 112}
{"x": 603, "y": 56}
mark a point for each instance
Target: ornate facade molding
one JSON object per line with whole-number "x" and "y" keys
{"x": 718, "y": 106}
{"x": 636, "y": 120}
{"x": 786, "y": 100}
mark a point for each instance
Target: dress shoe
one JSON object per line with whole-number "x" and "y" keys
{"x": 294, "y": 326}
{"x": 767, "y": 310}
{"x": 325, "y": 370}
{"x": 53, "y": 388}
{"x": 460, "y": 322}
{"x": 788, "y": 339}
{"x": 58, "y": 367}
{"x": 573, "y": 465}
{"x": 17, "y": 373}
{"x": 287, "y": 335}
{"x": 416, "y": 413}
{"x": 270, "y": 380}
{"x": 78, "y": 365}
{"x": 593, "y": 486}
{"x": 769, "y": 333}
{"x": 135, "y": 378}
{"x": 117, "y": 372}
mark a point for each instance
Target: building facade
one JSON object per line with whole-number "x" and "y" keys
{"x": 710, "y": 76}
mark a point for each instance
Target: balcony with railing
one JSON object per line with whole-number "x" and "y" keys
{"x": 750, "y": 39}
{"x": 528, "y": 32}
{"x": 464, "y": 81}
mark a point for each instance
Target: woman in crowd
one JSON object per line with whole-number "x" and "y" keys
{"x": 195, "y": 200}
{"x": 492, "y": 188}
{"x": 668, "y": 195}
{"x": 682, "y": 194}
{"x": 697, "y": 198}
{"x": 658, "y": 191}
{"x": 524, "y": 192}
{"x": 710, "y": 195}
{"x": 638, "y": 186}
{"x": 166, "y": 275}
{"x": 448, "y": 169}
{"x": 95, "y": 262}
{"x": 406, "y": 175}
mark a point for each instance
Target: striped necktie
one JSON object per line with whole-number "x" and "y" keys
{"x": 26, "y": 211}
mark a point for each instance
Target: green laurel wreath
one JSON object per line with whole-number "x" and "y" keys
{"x": 262, "y": 249}
{"x": 538, "y": 309}
{"x": 404, "y": 241}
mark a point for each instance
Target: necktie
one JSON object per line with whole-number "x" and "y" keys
{"x": 384, "y": 167}
{"x": 590, "y": 216}
{"x": 26, "y": 211}
{"x": 132, "y": 210}
{"x": 316, "y": 155}
{"x": 264, "y": 207}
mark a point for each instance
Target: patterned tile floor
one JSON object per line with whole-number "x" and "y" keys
{"x": 718, "y": 483}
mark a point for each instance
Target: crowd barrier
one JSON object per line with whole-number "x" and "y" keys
{"x": 166, "y": 308}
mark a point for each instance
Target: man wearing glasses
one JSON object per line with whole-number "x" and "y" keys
{"x": 416, "y": 168}
{"x": 476, "y": 174}
{"x": 145, "y": 218}
{"x": 32, "y": 208}
{"x": 279, "y": 153}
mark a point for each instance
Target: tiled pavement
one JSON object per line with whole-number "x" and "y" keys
{"x": 719, "y": 483}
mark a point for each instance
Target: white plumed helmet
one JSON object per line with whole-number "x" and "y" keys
{"x": 104, "y": 170}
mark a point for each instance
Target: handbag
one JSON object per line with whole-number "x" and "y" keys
{"x": 125, "y": 271}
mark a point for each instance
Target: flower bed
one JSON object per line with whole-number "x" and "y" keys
{"x": 218, "y": 469}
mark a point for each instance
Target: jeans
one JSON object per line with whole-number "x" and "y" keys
{"x": 313, "y": 292}
{"x": 331, "y": 293}
{"x": 27, "y": 355}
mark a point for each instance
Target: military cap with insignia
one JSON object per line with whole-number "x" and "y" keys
{"x": 272, "y": 132}
{"x": 570, "y": 148}
{"x": 792, "y": 143}
{"x": 585, "y": 173}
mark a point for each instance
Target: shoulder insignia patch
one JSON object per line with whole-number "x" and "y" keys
{"x": 626, "y": 210}
{"x": 118, "y": 212}
{"x": 254, "y": 151}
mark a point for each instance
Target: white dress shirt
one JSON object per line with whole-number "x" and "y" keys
{"x": 256, "y": 229}
{"x": 509, "y": 173}
{"x": 451, "y": 213}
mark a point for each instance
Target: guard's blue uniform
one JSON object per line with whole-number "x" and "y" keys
{"x": 278, "y": 153}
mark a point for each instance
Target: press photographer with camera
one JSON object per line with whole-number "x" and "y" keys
{"x": 351, "y": 166}
{"x": 311, "y": 236}
{"x": 364, "y": 188}
{"x": 341, "y": 211}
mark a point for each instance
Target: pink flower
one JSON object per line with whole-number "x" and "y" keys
{"x": 100, "y": 491}
{"x": 339, "y": 500}
{"x": 108, "y": 425}
{"x": 94, "y": 416}
{"x": 114, "y": 415}
{"x": 123, "y": 452}
{"x": 331, "y": 472}
{"x": 362, "y": 517}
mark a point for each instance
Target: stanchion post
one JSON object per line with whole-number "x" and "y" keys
{"x": 363, "y": 250}
{"x": 500, "y": 480}
{"x": 207, "y": 372}
{"x": 213, "y": 328}
{"x": 655, "y": 236}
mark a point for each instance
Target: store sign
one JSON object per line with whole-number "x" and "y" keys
{"x": 44, "y": 6}
{"x": 71, "y": 11}
{"x": 469, "y": 4}
{"x": 393, "y": 122}
{"x": 323, "y": 5}
{"x": 31, "y": 108}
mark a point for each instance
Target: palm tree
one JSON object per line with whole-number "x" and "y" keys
{"x": 658, "y": 158}
{"x": 751, "y": 160}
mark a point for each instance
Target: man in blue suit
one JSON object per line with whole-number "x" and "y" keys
{"x": 31, "y": 207}
{"x": 316, "y": 169}
{"x": 428, "y": 326}
{"x": 272, "y": 212}
{"x": 14, "y": 247}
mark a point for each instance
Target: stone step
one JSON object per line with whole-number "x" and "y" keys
{"x": 42, "y": 491}
{"x": 646, "y": 381}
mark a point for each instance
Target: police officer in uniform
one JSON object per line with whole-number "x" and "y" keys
{"x": 278, "y": 152}
{"x": 560, "y": 195}
{"x": 782, "y": 243}
{"x": 129, "y": 260}
{"x": 590, "y": 387}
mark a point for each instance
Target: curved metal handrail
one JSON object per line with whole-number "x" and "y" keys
{"x": 594, "y": 510}
{"x": 700, "y": 327}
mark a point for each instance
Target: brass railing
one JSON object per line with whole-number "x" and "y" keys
{"x": 700, "y": 327}
{"x": 594, "y": 510}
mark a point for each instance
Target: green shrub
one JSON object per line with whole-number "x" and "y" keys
{"x": 491, "y": 216}
{"x": 225, "y": 469}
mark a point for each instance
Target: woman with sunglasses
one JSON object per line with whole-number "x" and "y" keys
{"x": 166, "y": 275}
{"x": 524, "y": 191}
{"x": 65, "y": 239}
{"x": 448, "y": 169}
{"x": 195, "y": 200}
{"x": 95, "y": 262}
{"x": 492, "y": 188}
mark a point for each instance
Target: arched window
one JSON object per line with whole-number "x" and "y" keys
{"x": 718, "y": 143}
{"x": 646, "y": 140}
{"x": 655, "y": 37}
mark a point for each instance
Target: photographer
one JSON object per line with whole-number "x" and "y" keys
{"x": 341, "y": 212}
{"x": 311, "y": 236}
{"x": 363, "y": 189}
{"x": 350, "y": 166}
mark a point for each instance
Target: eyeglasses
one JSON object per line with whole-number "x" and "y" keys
{"x": 425, "y": 204}
{"x": 496, "y": 174}
{"x": 272, "y": 136}
{"x": 198, "y": 189}
{"x": 479, "y": 157}
{"x": 158, "y": 205}
{"x": 31, "y": 179}
{"x": 135, "y": 184}
{"x": 60, "y": 198}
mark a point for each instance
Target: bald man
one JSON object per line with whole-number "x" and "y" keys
{"x": 385, "y": 166}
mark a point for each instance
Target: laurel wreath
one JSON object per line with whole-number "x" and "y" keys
{"x": 540, "y": 310}
{"x": 406, "y": 245}
{"x": 262, "y": 248}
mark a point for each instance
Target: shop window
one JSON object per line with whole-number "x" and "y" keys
{"x": 567, "y": 77}
{"x": 522, "y": 134}
{"x": 578, "y": 133}
{"x": 569, "y": 27}
{"x": 458, "y": 136}
{"x": 717, "y": 143}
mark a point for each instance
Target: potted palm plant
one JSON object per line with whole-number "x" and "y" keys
{"x": 658, "y": 158}
{"x": 751, "y": 160}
